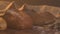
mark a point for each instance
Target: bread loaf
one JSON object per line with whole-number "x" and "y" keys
{"x": 18, "y": 19}
{"x": 3, "y": 24}
{"x": 40, "y": 14}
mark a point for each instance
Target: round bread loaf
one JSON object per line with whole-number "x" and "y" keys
{"x": 3, "y": 24}
{"x": 40, "y": 14}
{"x": 18, "y": 19}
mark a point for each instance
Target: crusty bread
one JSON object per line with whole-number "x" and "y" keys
{"x": 3, "y": 24}
{"x": 40, "y": 14}
{"x": 18, "y": 20}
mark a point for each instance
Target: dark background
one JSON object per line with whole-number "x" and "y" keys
{"x": 38, "y": 2}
